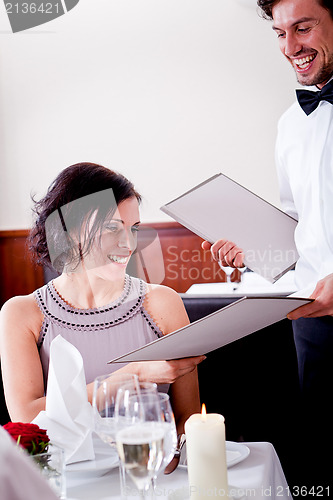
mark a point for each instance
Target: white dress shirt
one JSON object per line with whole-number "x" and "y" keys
{"x": 304, "y": 158}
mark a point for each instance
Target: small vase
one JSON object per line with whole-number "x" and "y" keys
{"x": 51, "y": 464}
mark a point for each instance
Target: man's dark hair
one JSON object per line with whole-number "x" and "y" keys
{"x": 266, "y": 7}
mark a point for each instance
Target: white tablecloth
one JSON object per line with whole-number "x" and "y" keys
{"x": 259, "y": 476}
{"x": 251, "y": 284}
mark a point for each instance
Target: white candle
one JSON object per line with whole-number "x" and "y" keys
{"x": 206, "y": 455}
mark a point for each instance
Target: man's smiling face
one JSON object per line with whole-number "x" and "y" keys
{"x": 305, "y": 32}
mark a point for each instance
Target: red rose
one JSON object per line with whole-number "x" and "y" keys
{"x": 29, "y": 436}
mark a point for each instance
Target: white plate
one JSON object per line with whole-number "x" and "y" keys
{"x": 236, "y": 452}
{"x": 106, "y": 457}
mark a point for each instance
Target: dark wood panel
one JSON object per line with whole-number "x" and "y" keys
{"x": 185, "y": 262}
{"x": 171, "y": 255}
{"x": 18, "y": 275}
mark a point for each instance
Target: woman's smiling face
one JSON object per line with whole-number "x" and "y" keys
{"x": 305, "y": 32}
{"x": 112, "y": 249}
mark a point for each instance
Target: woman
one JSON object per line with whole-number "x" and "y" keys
{"x": 86, "y": 226}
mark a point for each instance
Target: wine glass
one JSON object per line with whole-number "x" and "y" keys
{"x": 170, "y": 433}
{"x": 228, "y": 272}
{"x": 140, "y": 433}
{"x": 241, "y": 270}
{"x": 127, "y": 409}
{"x": 103, "y": 403}
{"x": 170, "y": 441}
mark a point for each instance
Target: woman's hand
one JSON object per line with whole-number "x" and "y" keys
{"x": 165, "y": 372}
{"x": 226, "y": 252}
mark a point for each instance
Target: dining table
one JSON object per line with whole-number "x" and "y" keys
{"x": 256, "y": 474}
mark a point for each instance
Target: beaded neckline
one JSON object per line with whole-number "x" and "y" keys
{"x": 80, "y": 321}
{"x": 96, "y": 310}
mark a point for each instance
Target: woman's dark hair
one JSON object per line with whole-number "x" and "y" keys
{"x": 266, "y": 6}
{"x": 78, "y": 202}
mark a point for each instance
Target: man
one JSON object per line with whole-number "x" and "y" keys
{"x": 304, "y": 155}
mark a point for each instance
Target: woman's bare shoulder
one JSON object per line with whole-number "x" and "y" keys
{"x": 166, "y": 307}
{"x": 22, "y": 311}
{"x": 20, "y": 303}
{"x": 161, "y": 292}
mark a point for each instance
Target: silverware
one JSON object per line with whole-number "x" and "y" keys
{"x": 175, "y": 461}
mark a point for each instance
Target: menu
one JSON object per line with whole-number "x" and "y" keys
{"x": 241, "y": 318}
{"x": 222, "y": 208}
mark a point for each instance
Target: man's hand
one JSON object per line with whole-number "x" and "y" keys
{"x": 226, "y": 252}
{"x": 323, "y": 303}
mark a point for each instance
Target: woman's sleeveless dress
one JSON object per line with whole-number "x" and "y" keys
{"x": 99, "y": 334}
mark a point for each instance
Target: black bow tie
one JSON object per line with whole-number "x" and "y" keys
{"x": 309, "y": 100}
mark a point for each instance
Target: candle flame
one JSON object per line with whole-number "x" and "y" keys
{"x": 203, "y": 413}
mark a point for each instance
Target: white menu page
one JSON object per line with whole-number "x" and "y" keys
{"x": 222, "y": 208}
{"x": 243, "y": 317}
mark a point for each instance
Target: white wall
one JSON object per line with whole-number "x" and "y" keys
{"x": 168, "y": 92}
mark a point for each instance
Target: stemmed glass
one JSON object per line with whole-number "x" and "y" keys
{"x": 103, "y": 403}
{"x": 170, "y": 434}
{"x": 170, "y": 441}
{"x": 140, "y": 433}
{"x": 241, "y": 270}
{"x": 104, "y": 400}
{"x": 228, "y": 272}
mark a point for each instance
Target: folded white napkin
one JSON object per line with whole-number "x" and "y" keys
{"x": 68, "y": 414}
